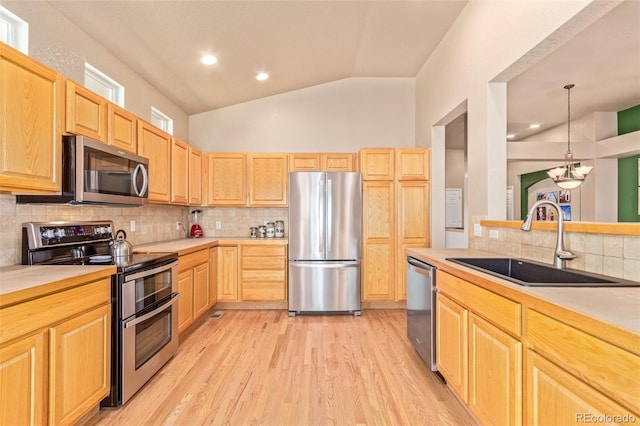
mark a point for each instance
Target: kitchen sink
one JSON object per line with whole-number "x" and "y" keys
{"x": 533, "y": 274}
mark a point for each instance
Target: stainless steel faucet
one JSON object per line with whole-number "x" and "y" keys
{"x": 561, "y": 254}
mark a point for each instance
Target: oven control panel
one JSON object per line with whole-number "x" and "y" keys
{"x": 63, "y": 233}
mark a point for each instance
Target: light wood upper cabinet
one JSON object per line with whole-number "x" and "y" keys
{"x": 179, "y": 172}
{"x": 227, "y": 184}
{"x": 325, "y": 162}
{"x": 197, "y": 176}
{"x": 377, "y": 163}
{"x": 339, "y": 162}
{"x": 122, "y": 130}
{"x": 32, "y": 112}
{"x": 412, "y": 164}
{"x": 86, "y": 112}
{"x": 268, "y": 179}
{"x": 155, "y": 144}
{"x": 306, "y": 162}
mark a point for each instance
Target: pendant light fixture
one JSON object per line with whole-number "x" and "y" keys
{"x": 569, "y": 176}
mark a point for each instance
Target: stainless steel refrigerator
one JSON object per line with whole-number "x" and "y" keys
{"x": 325, "y": 233}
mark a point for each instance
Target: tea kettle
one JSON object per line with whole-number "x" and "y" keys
{"x": 120, "y": 247}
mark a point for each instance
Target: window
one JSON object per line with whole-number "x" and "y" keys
{"x": 14, "y": 31}
{"x": 161, "y": 120}
{"x": 103, "y": 85}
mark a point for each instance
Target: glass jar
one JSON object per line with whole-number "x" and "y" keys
{"x": 253, "y": 232}
{"x": 279, "y": 228}
{"x": 262, "y": 231}
{"x": 271, "y": 230}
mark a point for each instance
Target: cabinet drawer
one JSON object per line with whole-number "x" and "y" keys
{"x": 260, "y": 263}
{"x": 263, "y": 275}
{"x": 21, "y": 319}
{"x": 500, "y": 311}
{"x": 193, "y": 259}
{"x": 608, "y": 368}
{"x": 263, "y": 291}
{"x": 264, "y": 250}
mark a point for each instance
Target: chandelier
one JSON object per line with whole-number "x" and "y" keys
{"x": 569, "y": 176}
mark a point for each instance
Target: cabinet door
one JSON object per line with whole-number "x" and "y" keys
{"x": 413, "y": 225}
{"x": 338, "y": 162}
{"x": 227, "y": 179}
{"x": 228, "y": 274}
{"x": 122, "y": 131}
{"x": 179, "y": 172}
{"x": 30, "y": 133}
{"x": 22, "y": 380}
{"x": 196, "y": 177}
{"x": 155, "y": 144}
{"x": 268, "y": 179}
{"x": 553, "y": 396}
{"x": 377, "y": 163}
{"x": 452, "y": 343}
{"x": 495, "y": 374}
{"x": 213, "y": 276}
{"x": 86, "y": 112}
{"x": 263, "y": 271}
{"x": 412, "y": 164}
{"x": 200, "y": 289}
{"x": 378, "y": 236}
{"x": 304, "y": 163}
{"x": 80, "y": 351}
{"x": 185, "y": 304}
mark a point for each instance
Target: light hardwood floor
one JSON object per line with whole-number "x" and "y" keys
{"x": 265, "y": 368}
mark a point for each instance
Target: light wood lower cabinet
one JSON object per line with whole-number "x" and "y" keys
{"x": 80, "y": 365}
{"x": 571, "y": 373}
{"x": 480, "y": 359}
{"x": 23, "y": 371}
{"x": 55, "y": 355}
{"x": 227, "y": 273}
{"x": 263, "y": 271}
{"x": 193, "y": 286}
{"x": 452, "y": 344}
{"x": 213, "y": 276}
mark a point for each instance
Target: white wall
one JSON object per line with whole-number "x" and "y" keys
{"x": 61, "y": 45}
{"x": 341, "y": 116}
{"x": 491, "y": 41}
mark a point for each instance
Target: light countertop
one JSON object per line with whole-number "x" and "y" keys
{"x": 618, "y": 307}
{"x": 190, "y": 245}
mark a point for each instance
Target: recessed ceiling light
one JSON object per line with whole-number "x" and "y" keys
{"x": 511, "y": 136}
{"x": 534, "y": 126}
{"x": 208, "y": 59}
{"x": 262, "y": 76}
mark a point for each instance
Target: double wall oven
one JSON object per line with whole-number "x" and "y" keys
{"x": 144, "y": 312}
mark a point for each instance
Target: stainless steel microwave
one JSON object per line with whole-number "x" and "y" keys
{"x": 96, "y": 173}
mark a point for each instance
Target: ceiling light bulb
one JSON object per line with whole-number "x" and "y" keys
{"x": 262, "y": 76}
{"x": 511, "y": 136}
{"x": 208, "y": 59}
{"x": 534, "y": 126}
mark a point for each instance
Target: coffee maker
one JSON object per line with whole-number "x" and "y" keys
{"x": 196, "y": 229}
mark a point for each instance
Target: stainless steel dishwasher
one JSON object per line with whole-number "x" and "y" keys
{"x": 421, "y": 310}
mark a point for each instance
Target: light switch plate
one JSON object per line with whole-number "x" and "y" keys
{"x": 218, "y": 224}
{"x": 132, "y": 225}
{"x": 494, "y": 233}
{"x": 477, "y": 230}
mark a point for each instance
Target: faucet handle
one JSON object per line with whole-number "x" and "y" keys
{"x": 566, "y": 255}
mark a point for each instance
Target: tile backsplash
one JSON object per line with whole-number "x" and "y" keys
{"x": 154, "y": 222}
{"x": 613, "y": 255}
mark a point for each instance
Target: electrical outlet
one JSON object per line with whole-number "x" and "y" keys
{"x": 178, "y": 225}
{"x": 218, "y": 224}
{"x": 477, "y": 230}
{"x": 132, "y": 225}
{"x": 494, "y": 233}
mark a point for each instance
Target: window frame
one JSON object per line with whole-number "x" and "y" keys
{"x": 16, "y": 30}
{"x": 113, "y": 91}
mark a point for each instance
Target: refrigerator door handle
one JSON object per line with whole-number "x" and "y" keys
{"x": 329, "y": 214}
{"x": 322, "y": 230}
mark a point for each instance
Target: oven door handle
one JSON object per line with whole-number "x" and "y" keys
{"x": 138, "y": 320}
{"x": 150, "y": 272}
